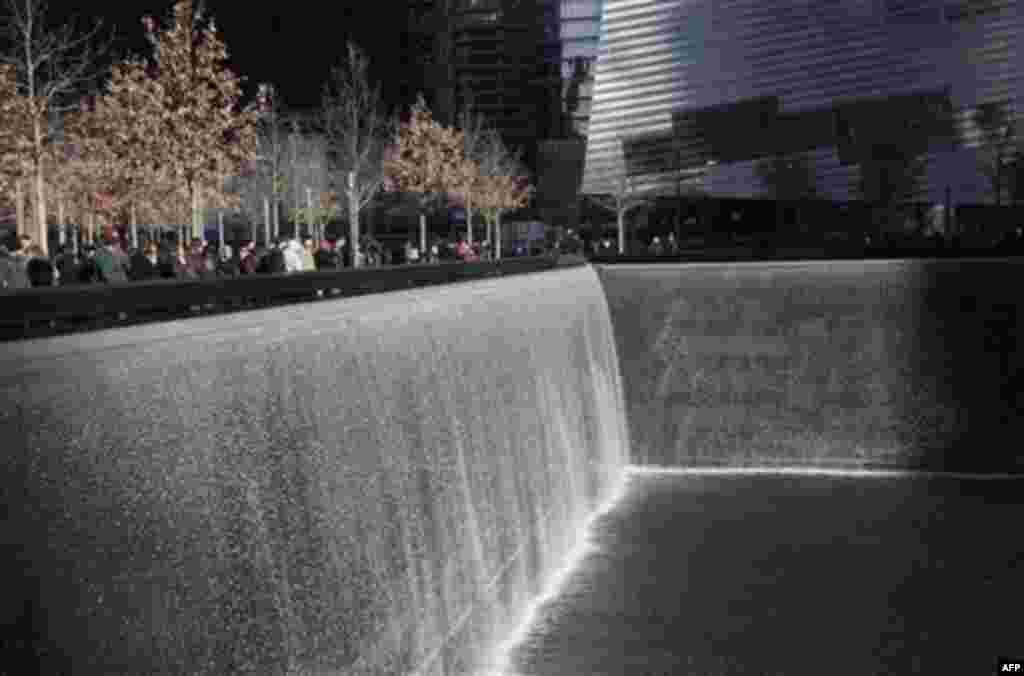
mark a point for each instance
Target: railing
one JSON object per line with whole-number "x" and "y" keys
{"x": 49, "y": 311}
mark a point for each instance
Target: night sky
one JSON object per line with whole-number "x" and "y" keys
{"x": 292, "y": 46}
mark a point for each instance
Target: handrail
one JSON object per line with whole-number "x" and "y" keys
{"x": 43, "y": 311}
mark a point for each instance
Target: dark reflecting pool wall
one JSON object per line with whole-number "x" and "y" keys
{"x": 891, "y": 363}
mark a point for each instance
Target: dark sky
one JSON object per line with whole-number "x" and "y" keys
{"x": 292, "y": 45}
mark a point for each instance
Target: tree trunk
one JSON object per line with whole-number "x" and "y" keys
{"x": 42, "y": 231}
{"x": 135, "y": 228}
{"x": 309, "y": 209}
{"x": 423, "y": 232}
{"x": 497, "y": 236}
{"x": 266, "y": 220}
{"x": 19, "y": 206}
{"x": 622, "y": 231}
{"x": 353, "y": 219}
{"x": 198, "y": 225}
{"x": 61, "y": 225}
{"x": 277, "y": 218}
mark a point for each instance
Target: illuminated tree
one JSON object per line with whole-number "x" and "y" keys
{"x": 15, "y": 146}
{"x": 498, "y": 194}
{"x": 49, "y": 68}
{"x": 491, "y": 178}
{"x": 185, "y": 113}
{"x": 426, "y": 160}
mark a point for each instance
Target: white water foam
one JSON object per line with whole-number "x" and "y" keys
{"x": 824, "y": 472}
{"x": 500, "y": 664}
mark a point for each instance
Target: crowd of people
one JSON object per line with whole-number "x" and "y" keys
{"x": 169, "y": 258}
{"x": 27, "y": 266}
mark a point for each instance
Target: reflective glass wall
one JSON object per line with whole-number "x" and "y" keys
{"x": 789, "y": 71}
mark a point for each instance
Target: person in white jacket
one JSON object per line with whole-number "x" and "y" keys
{"x": 292, "y": 250}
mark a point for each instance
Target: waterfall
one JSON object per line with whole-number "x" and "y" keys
{"x": 377, "y": 485}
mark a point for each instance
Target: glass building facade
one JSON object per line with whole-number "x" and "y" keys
{"x": 694, "y": 92}
{"x": 578, "y": 26}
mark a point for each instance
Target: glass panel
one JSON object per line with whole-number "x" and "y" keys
{"x": 580, "y": 29}
{"x": 574, "y": 9}
{"x": 584, "y": 48}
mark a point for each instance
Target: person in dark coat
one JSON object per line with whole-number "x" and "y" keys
{"x": 228, "y": 263}
{"x": 273, "y": 262}
{"x": 145, "y": 264}
{"x": 88, "y": 271}
{"x": 166, "y": 259}
{"x": 67, "y": 266}
{"x": 39, "y": 268}
{"x": 344, "y": 254}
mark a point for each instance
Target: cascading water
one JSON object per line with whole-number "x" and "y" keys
{"x": 369, "y": 486}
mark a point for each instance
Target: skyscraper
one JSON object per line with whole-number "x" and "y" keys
{"x": 694, "y": 91}
{"x": 488, "y": 54}
{"x": 575, "y": 41}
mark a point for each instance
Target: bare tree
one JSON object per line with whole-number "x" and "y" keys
{"x": 620, "y": 202}
{"x": 503, "y": 181}
{"x": 52, "y": 67}
{"x": 476, "y": 140}
{"x": 357, "y": 130}
{"x": 306, "y": 172}
{"x": 271, "y": 157}
{"x": 483, "y": 146}
{"x": 997, "y": 140}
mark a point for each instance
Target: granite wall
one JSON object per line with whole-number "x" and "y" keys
{"x": 890, "y": 363}
{"x": 367, "y": 486}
